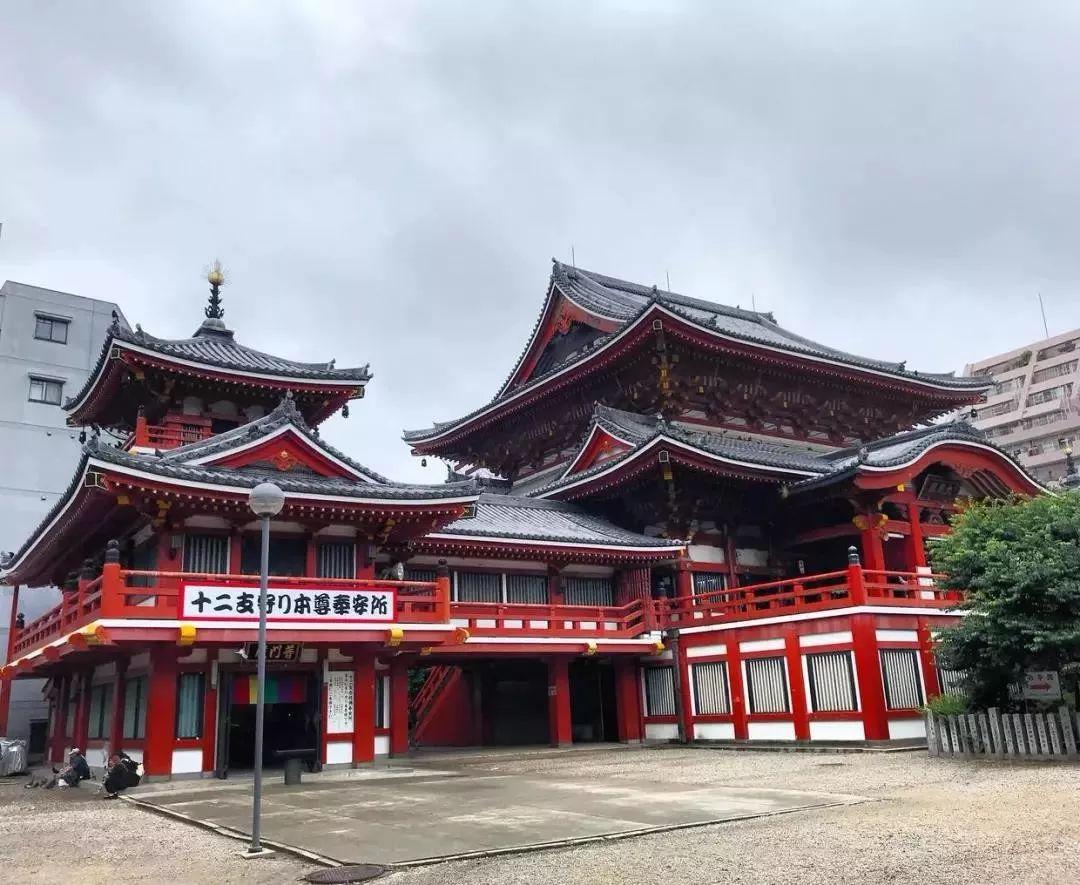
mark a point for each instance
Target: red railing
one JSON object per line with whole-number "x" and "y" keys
{"x": 120, "y": 593}
{"x": 172, "y": 434}
{"x": 512, "y": 619}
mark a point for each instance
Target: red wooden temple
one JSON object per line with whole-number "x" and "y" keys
{"x": 675, "y": 519}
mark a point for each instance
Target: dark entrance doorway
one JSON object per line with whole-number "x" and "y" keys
{"x": 593, "y": 716}
{"x": 514, "y": 703}
{"x": 293, "y": 719}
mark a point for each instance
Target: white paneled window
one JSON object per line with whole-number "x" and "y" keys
{"x": 336, "y": 560}
{"x": 766, "y": 685}
{"x": 46, "y": 390}
{"x": 206, "y": 554}
{"x": 55, "y": 329}
{"x": 712, "y": 692}
{"x": 589, "y": 591}
{"x": 706, "y": 582}
{"x": 900, "y": 670}
{"x": 832, "y": 682}
{"x": 135, "y": 708}
{"x": 659, "y": 691}
{"x": 527, "y": 589}
{"x": 478, "y": 587}
{"x": 951, "y": 681}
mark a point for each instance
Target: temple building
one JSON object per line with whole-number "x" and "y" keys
{"x": 675, "y": 519}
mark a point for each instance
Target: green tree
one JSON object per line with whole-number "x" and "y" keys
{"x": 1019, "y": 563}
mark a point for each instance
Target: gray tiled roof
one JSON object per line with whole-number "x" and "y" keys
{"x": 530, "y": 519}
{"x": 818, "y": 467}
{"x": 215, "y": 346}
{"x": 623, "y": 302}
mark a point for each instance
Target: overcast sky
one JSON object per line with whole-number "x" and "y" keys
{"x": 387, "y": 182}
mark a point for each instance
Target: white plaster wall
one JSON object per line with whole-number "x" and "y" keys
{"x": 382, "y": 745}
{"x": 137, "y": 755}
{"x": 706, "y": 553}
{"x": 659, "y": 731}
{"x": 338, "y": 752}
{"x": 185, "y": 761}
{"x": 816, "y": 639}
{"x": 762, "y": 645}
{"x": 715, "y": 731}
{"x": 906, "y": 728}
{"x": 703, "y": 651}
{"x": 771, "y": 731}
{"x": 897, "y": 636}
{"x": 95, "y": 757}
{"x": 840, "y": 730}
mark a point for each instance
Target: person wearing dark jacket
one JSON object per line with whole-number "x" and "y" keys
{"x": 123, "y": 772}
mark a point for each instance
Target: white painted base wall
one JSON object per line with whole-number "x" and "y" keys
{"x": 840, "y": 730}
{"x": 382, "y": 745}
{"x": 338, "y": 752}
{"x": 714, "y": 731}
{"x": 186, "y": 761}
{"x": 659, "y": 731}
{"x": 906, "y": 728}
{"x": 771, "y": 731}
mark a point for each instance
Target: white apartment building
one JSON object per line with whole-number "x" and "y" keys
{"x": 1033, "y": 411}
{"x": 49, "y": 342}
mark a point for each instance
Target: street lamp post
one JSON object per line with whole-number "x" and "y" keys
{"x": 265, "y": 500}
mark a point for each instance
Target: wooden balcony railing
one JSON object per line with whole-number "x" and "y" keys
{"x": 148, "y": 595}
{"x": 172, "y": 434}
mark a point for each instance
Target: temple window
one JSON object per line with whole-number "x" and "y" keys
{"x": 46, "y": 390}
{"x": 100, "y": 712}
{"x": 526, "y": 589}
{"x": 336, "y": 560}
{"x": 589, "y": 591}
{"x": 50, "y": 328}
{"x": 903, "y": 688}
{"x": 477, "y": 587}
{"x": 766, "y": 685}
{"x": 659, "y": 691}
{"x": 189, "y": 705}
{"x": 712, "y": 691}
{"x": 206, "y": 554}
{"x": 135, "y": 708}
{"x": 831, "y": 677}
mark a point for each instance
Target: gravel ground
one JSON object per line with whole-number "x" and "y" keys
{"x": 72, "y": 837}
{"x": 928, "y": 821}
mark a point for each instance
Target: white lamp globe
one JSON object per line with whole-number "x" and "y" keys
{"x": 266, "y": 499}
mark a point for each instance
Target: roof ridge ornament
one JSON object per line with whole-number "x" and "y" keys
{"x": 215, "y": 276}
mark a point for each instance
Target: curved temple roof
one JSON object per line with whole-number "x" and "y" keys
{"x": 800, "y": 467}
{"x": 623, "y": 302}
{"x": 215, "y": 348}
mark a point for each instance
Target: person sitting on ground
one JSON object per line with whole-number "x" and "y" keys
{"x": 122, "y": 772}
{"x": 70, "y": 775}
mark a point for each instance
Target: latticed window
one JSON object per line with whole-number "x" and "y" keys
{"x": 659, "y": 691}
{"x": 711, "y": 689}
{"x": 832, "y": 682}
{"x": 381, "y": 683}
{"x": 336, "y": 560}
{"x": 527, "y": 589}
{"x": 478, "y": 586}
{"x": 900, "y": 671}
{"x": 135, "y": 708}
{"x": 419, "y": 574}
{"x": 590, "y": 591}
{"x": 189, "y": 705}
{"x": 951, "y": 681}
{"x": 100, "y": 712}
{"x": 206, "y": 554}
{"x": 766, "y": 685}
{"x": 706, "y": 582}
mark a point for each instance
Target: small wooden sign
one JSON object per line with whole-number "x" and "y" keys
{"x": 276, "y": 652}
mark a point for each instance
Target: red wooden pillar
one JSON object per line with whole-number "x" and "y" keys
{"x": 399, "y": 706}
{"x": 627, "y": 699}
{"x": 926, "y": 659}
{"x": 684, "y": 577}
{"x": 80, "y": 734}
{"x": 684, "y": 706}
{"x": 868, "y": 674}
{"x": 160, "y": 712}
{"x": 799, "y": 708}
{"x": 559, "y": 721}
{"x": 738, "y": 690}
{"x": 116, "y": 715}
{"x": 555, "y": 592}
{"x": 364, "y": 676}
{"x": 916, "y": 547}
{"x": 365, "y": 565}
{"x": 210, "y": 708}
{"x": 311, "y": 558}
{"x": 5, "y": 684}
{"x": 873, "y": 550}
{"x": 236, "y": 552}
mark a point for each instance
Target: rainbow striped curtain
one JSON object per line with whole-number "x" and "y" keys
{"x": 281, "y": 688}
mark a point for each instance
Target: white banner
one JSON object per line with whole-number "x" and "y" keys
{"x": 327, "y": 605}
{"x": 339, "y": 702}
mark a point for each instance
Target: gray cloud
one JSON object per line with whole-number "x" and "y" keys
{"x": 387, "y": 181}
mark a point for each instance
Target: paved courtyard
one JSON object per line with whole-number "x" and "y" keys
{"x": 408, "y": 814}
{"x": 928, "y": 821}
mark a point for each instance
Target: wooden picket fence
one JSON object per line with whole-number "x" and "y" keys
{"x": 1005, "y": 735}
